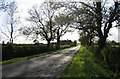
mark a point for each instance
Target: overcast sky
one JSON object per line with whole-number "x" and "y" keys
{"x": 24, "y": 5}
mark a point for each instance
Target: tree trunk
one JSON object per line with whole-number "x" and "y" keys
{"x": 102, "y": 42}
{"x": 48, "y": 43}
{"x": 58, "y": 43}
{"x": 101, "y": 45}
{"x": 58, "y": 39}
{"x": 90, "y": 40}
{"x": 11, "y": 34}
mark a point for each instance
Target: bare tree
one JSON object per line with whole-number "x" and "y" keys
{"x": 42, "y": 18}
{"x": 12, "y": 20}
{"x": 83, "y": 21}
{"x": 63, "y": 23}
{"x": 104, "y": 18}
{"x": 3, "y": 5}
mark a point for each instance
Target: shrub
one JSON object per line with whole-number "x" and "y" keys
{"x": 22, "y": 50}
{"x": 112, "y": 58}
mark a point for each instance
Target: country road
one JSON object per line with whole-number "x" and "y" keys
{"x": 51, "y": 65}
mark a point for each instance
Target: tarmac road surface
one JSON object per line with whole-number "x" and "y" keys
{"x": 51, "y": 65}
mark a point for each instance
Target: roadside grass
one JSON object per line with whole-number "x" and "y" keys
{"x": 83, "y": 66}
{"x": 29, "y": 57}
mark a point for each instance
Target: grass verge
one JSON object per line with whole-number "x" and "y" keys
{"x": 83, "y": 66}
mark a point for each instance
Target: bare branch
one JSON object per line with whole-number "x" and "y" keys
{"x": 4, "y": 33}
